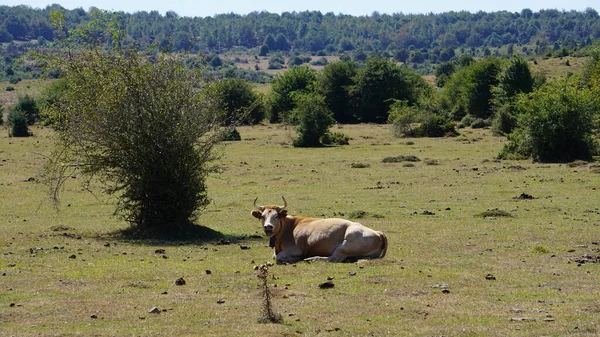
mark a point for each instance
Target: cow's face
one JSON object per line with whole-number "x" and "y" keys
{"x": 269, "y": 217}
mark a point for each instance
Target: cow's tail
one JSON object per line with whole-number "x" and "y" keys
{"x": 384, "y": 244}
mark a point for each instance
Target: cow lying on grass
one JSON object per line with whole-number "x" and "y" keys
{"x": 298, "y": 238}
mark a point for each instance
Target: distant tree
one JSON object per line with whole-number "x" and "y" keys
{"x": 263, "y": 50}
{"x": 417, "y": 57}
{"x": 447, "y": 54}
{"x": 515, "y": 78}
{"x": 281, "y": 43}
{"x": 292, "y": 82}
{"x": 360, "y": 56}
{"x": 470, "y": 88}
{"x": 334, "y": 84}
{"x": 270, "y": 42}
{"x": 378, "y": 84}
{"x": 465, "y": 60}
{"x": 346, "y": 45}
{"x": 238, "y": 102}
{"x": 401, "y": 55}
{"x": 443, "y": 73}
{"x": 181, "y": 41}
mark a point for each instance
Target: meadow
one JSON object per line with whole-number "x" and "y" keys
{"x": 477, "y": 246}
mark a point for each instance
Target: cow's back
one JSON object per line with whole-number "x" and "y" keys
{"x": 320, "y": 237}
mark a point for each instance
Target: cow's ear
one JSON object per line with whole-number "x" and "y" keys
{"x": 256, "y": 213}
{"x": 283, "y": 214}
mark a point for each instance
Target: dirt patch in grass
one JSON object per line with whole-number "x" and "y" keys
{"x": 585, "y": 258}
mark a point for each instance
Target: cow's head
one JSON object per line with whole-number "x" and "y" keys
{"x": 269, "y": 217}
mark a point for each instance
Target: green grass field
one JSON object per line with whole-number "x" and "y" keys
{"x": 68, "y": 274}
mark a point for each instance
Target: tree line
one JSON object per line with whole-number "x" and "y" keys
{"x": 416, "y": 38}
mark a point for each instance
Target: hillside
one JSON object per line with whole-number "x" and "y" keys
{"x": 420, "y": 41}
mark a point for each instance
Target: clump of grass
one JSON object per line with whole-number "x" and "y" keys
{"x": 362, "y": 214}
{"x": 494, "y": 212}
{"x": 540, "y": 249}
{"x": 401, "y": 158}
{"x": 359, "y": 165}
{"x": 431, "y": 162}
{"x": 268, "y": 314}
{"x": 408, "y": 165}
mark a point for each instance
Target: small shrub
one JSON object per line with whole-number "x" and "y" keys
{"x": 539, "y": 249}
{"x": 276, "y": 62}
{"x": 320, "y": 62}
{"x": 466, "y": 121}
{"x": 408, "y": 165}
{"x": 335, "y": 138}
{"x": 494, "y": 212}
{"x": 401, "y": 158}
{"x": 230, "y": 134}
{"x": 436, "y": 126}
{"x": 268, "y": 315}
{"x": 18, "y": 121}
{"x": 504, "y": 121}
{"x": 10, "y": 88}
{"x": 480, "y": 123}
{"x": 359, "y": 165}
{"x": 14, "y": 80}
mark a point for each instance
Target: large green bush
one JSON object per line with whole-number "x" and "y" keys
{"x": 312, "y": 118}
{"x": 146, "y": 129}
{"x": 296, "y": 80}
{"x": 555, "y": 124}
{"x": 28, "y": 105}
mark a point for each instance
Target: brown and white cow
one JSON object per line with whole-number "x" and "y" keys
{"x": 298, "y": 238}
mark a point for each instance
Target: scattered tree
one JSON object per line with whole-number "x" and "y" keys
{"x": 555, "y": 124}
{"x": 334, "y": 83}
{"x": 145, "y": 129}
{"x": 378, "y": 84}
{"x": 297, "y": 79}
{"x": 238, "y": 102}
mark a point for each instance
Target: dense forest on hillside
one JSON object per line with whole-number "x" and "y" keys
{"x": 420, "y": 40}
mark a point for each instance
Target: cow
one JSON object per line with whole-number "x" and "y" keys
{"x": 297, "y": 238}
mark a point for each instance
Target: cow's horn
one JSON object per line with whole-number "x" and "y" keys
{"x": 257, "y": 206}
{"x": 284, "y": 204}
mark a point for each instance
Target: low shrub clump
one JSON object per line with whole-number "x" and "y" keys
{"x": 335, "y": 138}
{"x": 401, "y": 158}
